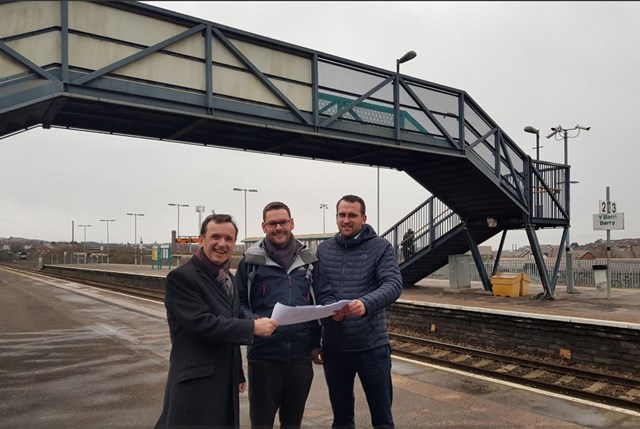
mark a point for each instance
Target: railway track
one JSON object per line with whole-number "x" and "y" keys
{"x": 623, "y": 392}
{"x": 129, "y": 290}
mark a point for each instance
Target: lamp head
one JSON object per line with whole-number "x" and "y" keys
{"x": 406, "y": 57}
{"x": 530, "y": 129}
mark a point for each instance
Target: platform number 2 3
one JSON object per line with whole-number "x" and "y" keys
{"x": 603, "y": 207}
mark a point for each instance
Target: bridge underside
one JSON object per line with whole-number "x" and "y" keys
{"x": 229, "y": 133}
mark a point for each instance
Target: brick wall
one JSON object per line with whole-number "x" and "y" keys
{"x": 129, "y": 279}
{"x": 600, "y": 344}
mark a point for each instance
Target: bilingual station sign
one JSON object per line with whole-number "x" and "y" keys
{"x": 608, "y": 218}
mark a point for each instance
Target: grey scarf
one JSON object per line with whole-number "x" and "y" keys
{"x": 283, "y": 254}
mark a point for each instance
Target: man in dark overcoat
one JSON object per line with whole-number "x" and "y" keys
{"x": 205, "y": 367}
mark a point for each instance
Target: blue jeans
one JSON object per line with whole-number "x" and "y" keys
{"x": 374, "y": 370}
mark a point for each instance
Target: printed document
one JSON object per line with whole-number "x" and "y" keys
{"x": 286, "y": 315}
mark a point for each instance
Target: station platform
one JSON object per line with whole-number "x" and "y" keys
{"x": 75, "y": 356}
{"x": 622, "y": 305}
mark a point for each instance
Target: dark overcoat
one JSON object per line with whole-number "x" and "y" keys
{"x": 205, "y": 367}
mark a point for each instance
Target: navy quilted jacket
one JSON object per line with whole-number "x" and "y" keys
{"x": 365, "y": 268}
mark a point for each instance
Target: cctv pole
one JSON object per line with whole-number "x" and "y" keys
{"x": 569, "y": 271}
{"x": 569, "y": 268}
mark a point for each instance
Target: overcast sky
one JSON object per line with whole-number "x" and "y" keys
{"x": 525, "y": 63}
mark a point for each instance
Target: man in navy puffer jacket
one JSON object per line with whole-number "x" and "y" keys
{"x": 361, "y": 267}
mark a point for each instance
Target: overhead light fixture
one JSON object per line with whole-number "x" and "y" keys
{"x": 406, "y": 57}
{"x": 492, "y": 222}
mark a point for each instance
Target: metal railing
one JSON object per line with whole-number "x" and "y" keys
{"x": 625, "y": 273}
{"x": 429, "y": 222}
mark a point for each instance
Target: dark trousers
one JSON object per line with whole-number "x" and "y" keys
{"x": 374, "y": 370}
{"x": 281, "y": 387}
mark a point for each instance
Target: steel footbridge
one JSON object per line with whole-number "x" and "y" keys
{"x": 131, "y": 69}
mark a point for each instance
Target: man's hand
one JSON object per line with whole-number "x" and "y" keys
{"x": 338, "y": 315}
{"x": 264, "y": 327}
{"x": 316, "y": 356}
{"x": 242, "y": 387}
{"x": 354, "y": 308}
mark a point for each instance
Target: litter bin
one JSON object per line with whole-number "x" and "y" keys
{"x": 600, "y": 276}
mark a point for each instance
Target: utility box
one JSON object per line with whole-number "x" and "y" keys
{"x": 459, "y": 272}
{"x": 600, "y": 276}
{"x": 506, "y": 284}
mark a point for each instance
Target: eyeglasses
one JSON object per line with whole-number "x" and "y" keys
{"x": 348, "y": 215}
{"x": 274, "y": 224}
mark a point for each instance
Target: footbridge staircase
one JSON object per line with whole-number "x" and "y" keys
{"x": 131, "y": 69}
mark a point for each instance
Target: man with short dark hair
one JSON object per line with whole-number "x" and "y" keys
{"x": 360, "y": 267}
{"x": 281, "y": 269}
{"x": 205, "y": 367}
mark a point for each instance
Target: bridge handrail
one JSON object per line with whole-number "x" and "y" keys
{"x": 430, "y": 221}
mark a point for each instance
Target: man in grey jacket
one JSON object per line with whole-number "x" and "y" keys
{"x": 280, "y": 269}
{"x": 361, "y": 267}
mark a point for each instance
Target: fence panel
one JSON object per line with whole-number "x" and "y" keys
{"x": 625, "y": 273}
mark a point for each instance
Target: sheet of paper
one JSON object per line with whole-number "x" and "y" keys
{"x": 286, "y": 315}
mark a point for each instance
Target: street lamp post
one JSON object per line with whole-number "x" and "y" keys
{"x": 135, "y": 236}
{"x": 178, "y": 205}
{"x": 533, "y": 130}
{"x": 323, "y": 207}
{"x": 245, "y": 206}
{"x": 555, "y": 131}
{"x": 199, "y": 210}
{"x": 396, "y": 117}
{"x": 107, "y": 221}
{"x": 85, "y": 240}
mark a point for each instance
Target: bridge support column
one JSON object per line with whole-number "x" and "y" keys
{"x": 548, "y": 287}
{"x": 496, "y": 263}
{"x": 477, "y": 259}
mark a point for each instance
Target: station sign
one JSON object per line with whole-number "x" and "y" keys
{"x": 184, "y": 240}
{"x": 604, "y": 221}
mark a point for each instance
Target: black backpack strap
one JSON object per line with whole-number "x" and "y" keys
{"x": 252, "y": 262}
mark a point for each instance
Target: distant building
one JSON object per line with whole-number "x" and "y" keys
{"x": 44, "y": 249}
{"x": 584, "y": 255}
{"x": 485, "y": 252}
{"x": 310, "y": 240}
